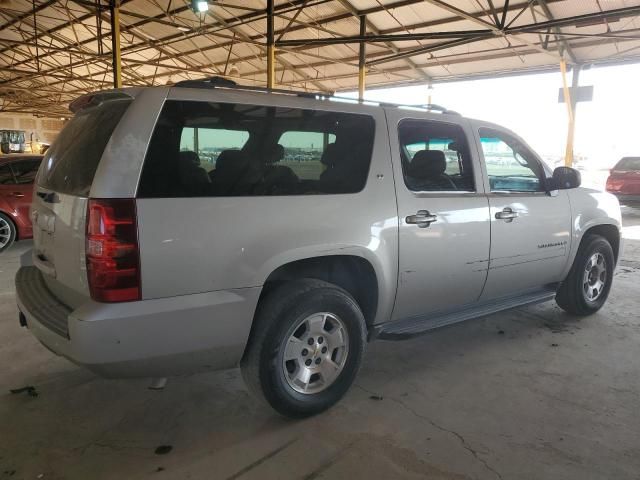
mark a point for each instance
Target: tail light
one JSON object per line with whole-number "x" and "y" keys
{"x": 113, "y": 259}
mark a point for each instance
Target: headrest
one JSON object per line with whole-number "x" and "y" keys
{"x": 275, "y": 154}
{"x": 331, "y": 155}
{"x": 427, "y": 164}
{"x": 189, "y": 156}
{"x": 231, "y": 159}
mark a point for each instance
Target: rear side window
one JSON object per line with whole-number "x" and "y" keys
{"x": 71, "y": 163}
{"x": 203, "y": 149}
{"x": 25, "y": 170}
{"x": 628, "y": 163}
{"x": 6, "y": 177}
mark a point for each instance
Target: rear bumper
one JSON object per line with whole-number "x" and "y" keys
{"x": 149, "y": 338}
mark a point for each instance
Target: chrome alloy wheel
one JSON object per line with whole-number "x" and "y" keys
{"x": 315, "y": 352}
{"x": 595, "y": 277}
{"x": 5, "y": 232}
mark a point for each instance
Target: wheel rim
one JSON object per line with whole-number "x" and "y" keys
{"x": 5, "y": 232}
{"x": 595, "y": 277}
{"x": 315, "y": 352}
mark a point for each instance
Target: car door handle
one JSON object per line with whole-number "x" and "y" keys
{"x": 507, "y": 214}
{"x": 18, "y": 194}
{"x": 423, "y": 219}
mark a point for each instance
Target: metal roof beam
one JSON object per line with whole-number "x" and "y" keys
{"x": 549, "y": 15}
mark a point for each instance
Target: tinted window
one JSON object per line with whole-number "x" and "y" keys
{"x": 303, "y": 152}
{"x": 6, "y": 177}
{"x": 628, "y": 163}
{"x": 435, "y": 156}
{"x": 25, "y": 170}
{"x": 215, "y": 149}
{"x": 71, "y": 162}
{"x": 511, "y": 166}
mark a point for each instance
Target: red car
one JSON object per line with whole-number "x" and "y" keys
{"x": 17, "y": 173}
{"x": 624, "y": 181}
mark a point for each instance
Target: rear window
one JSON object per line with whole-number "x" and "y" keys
{"x": 203, "y": 149}
{"x": 71, "y": 163}
{"x": 628, "y": 163}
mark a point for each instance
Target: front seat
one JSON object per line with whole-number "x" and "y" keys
{"x": 426, "y": 172}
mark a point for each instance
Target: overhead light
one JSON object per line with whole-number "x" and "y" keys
{"x": 199, "y": 6}
{"x": 184, "y": 29}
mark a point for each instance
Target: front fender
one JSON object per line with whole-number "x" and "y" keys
{"x": 591, "y": 208}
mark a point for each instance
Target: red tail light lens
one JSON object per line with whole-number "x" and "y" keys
{"x": 113, "y": 259}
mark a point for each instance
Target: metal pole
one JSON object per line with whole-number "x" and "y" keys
{"x": 114, "y": 10}
{"x": 271, "y": 53}
{"x": 361, "y": 59}
{"x": 571, "y": 109}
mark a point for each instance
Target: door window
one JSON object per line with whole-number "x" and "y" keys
{"x": 435, "y": 156}
{"x": 511, "y": 166}
{"x": 6, "y": 177}
{"x": 25, "y": 171}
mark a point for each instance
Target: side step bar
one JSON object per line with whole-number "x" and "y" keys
{"x": 412, "y": 326}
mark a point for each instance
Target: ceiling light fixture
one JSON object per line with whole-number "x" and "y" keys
{"x": 199, "y": 6}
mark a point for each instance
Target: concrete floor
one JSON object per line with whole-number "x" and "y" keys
{"x": 531, "y": 393}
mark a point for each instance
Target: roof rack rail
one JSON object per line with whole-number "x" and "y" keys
{"x": 221, "y": 82}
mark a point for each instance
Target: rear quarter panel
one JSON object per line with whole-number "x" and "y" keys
{"x": 195, "y": 245}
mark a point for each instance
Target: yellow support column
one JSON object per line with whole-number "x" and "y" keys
{"x": 362, "y": 60}
{"x": 271, "y": 51}
{"x": 114, "y": 8}
{"x": 571, "y": 110}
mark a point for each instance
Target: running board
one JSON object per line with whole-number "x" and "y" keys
{"x": 412, "y": 326}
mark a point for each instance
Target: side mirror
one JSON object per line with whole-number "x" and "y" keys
{"x": 564, "y": 178}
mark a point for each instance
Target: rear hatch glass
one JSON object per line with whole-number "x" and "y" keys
{"x": 70, "y": 164}
{"x": 59, "y": 205}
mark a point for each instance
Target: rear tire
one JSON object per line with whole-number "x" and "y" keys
{"x": 7, "y": 232}
{"x": 306, "y": 347}
{"x": 586, "y": 288}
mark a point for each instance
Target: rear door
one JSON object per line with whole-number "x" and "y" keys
{"x": 62, "y": 188}
{"x": 530, "y": 227}
{"x": 443, "y": 215}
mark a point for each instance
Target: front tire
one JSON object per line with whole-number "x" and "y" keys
{"x": 306, "y": 347}
{"x": 7, "y": 232}
{"x": 586, "y": 288}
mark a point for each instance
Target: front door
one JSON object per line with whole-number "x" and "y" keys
{"x": 444, "y": 216}
{"x": 530, "y": 227}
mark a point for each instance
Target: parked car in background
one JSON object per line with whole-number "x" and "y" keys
{"x": 624, "y": 181}
{"x": 17, "y": 173}
{"x": 149, "y": 261}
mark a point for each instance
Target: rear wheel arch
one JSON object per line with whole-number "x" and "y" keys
{"x": 352, "y": 273}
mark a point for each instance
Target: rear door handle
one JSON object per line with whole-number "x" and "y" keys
{"x": 18, "y": 194}
{"x": 507, "y": 214}
{"x": 423, "y": 219}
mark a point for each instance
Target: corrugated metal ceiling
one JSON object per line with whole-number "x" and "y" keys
{"x": 61, "y": 50}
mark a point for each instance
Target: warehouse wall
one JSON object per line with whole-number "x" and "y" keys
{"x": 37, "y": 129}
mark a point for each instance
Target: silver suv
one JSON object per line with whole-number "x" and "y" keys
{"x": 205, "y": 226}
